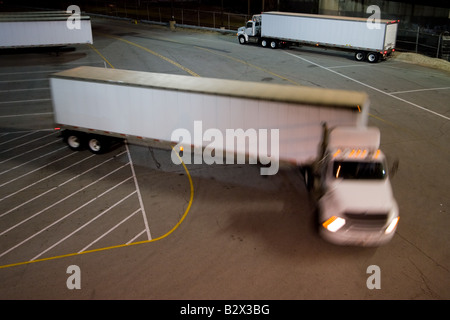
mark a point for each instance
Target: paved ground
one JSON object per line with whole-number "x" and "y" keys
{"x": 241, "y": 236}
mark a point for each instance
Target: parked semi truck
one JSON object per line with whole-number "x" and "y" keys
{"x": 42, "y": 29}
{"x": 368, "y": 42}
{"x": 322, "y": 131}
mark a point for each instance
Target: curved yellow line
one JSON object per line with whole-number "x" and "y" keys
{"x": 191, "y": 199}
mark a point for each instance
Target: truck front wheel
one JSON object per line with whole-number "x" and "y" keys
{"x": 242, "y": 40}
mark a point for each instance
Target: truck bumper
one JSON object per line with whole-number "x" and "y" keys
{"x": 357, "y": 237}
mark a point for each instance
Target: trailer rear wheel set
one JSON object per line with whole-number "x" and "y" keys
{"x": 269, "y": 43}
{"x": 97, "y": 144}
{"x": 372, "y": 57}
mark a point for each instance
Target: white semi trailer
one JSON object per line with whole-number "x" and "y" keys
{"x": 368, "y": 41}
{"x": 96, "y": 105}
{"x": 43, "y": 29}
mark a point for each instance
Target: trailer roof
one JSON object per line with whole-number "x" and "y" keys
{"x": 233, "y": 88}
{"x": 323, "y": 16}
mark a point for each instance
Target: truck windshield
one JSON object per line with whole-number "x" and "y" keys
{"x": 359, "y": 170}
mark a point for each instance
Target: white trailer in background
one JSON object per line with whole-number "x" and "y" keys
{"x": 95, "y": 105}
{"x": 367, "y": 41}
{"x": 42, "y": 29}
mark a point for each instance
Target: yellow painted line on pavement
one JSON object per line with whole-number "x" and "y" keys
{"x": 250, "y": 65}
{"x": 98, "y": 52}
{"x": 192, "y": 73}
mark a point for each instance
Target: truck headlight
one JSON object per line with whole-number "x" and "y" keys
{"x": 392, "y": 225}
{"x": 334, "y": 224}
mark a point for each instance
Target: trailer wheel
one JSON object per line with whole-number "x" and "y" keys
{"x": 372, "y": 57}
{"x": 242, "y": 40}
{"x": 97, "y": 144}
{"x": 360, "y": 56}
{"x": 264, "y": 43}
{"x": 273, "y": 44}
{"x": 74, "y": 140}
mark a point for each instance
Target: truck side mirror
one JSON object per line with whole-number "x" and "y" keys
{"x": 393, "y": 170}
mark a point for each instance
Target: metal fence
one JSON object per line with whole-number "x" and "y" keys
{"x": 147, "y": 11}
{"x": 422, "y": 41}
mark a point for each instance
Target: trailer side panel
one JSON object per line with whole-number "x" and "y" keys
{"x": 156, "y": 111}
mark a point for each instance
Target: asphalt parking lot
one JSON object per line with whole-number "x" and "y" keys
{"x": 155, "y": 230}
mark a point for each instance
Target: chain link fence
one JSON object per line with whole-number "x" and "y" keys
{"x": 423, "y": 41}
{"x": 147, "y": 11}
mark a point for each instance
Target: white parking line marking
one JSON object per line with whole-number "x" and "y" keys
{"x": 30, "y": 185}
{"x": 85, "y": 224}
{"x": 25, "y": 143}
{"x": 419, "y": 90}
{"x": 27, "y": 72}
{"x": 27, "y": 114}
{"x": 24, "y": 163}
{"x": 24, "y": 131}
{"x": 6, "y": 133}
{"x": 25, "y": 101}
{"x": 19, "y": 155}
{"x": 60, "y": 185}
{"x": 141, "y": 203}
{"x": 137, "y": 236}
{"x": 67, "y": 215}
{"x": 28, "y": 89}
{"x": 352, "y": 65}
{"x": 109, "y": 231}
{"x": 23, "y": 80}
{"x": 369, "y": 86}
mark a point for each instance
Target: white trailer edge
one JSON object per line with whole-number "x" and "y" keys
{"x": 368, "y": 42}
{"x": 42, "y": 29}
{"x": 95, "y": 105}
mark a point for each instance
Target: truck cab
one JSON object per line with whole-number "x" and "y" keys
{"x": 252, "y": 30}
{"x": 356, "y": 206}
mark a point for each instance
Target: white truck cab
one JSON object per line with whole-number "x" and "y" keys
{"x": 357, "y": 206}
{"x": 252, "y": 30}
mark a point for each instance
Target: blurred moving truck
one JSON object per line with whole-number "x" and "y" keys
{"x": 370, "y": 42}
{"x": 322, "y": 131}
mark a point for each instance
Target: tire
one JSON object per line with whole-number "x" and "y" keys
{"x": 75, "y": 140}
{"x": 360, "y": 56}
{"x": 264, "y": 43}
{"x": 273, "y": 44}
{"x": 308, "y": 177}
{"x": 372, "y": 57}
{"x": 242, "y": 40}
{"x": 98, "y": 144}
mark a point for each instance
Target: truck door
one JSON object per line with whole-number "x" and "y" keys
{"x": 249, "y": 28}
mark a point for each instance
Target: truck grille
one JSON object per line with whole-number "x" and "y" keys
{"x": 366, "y": 221}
